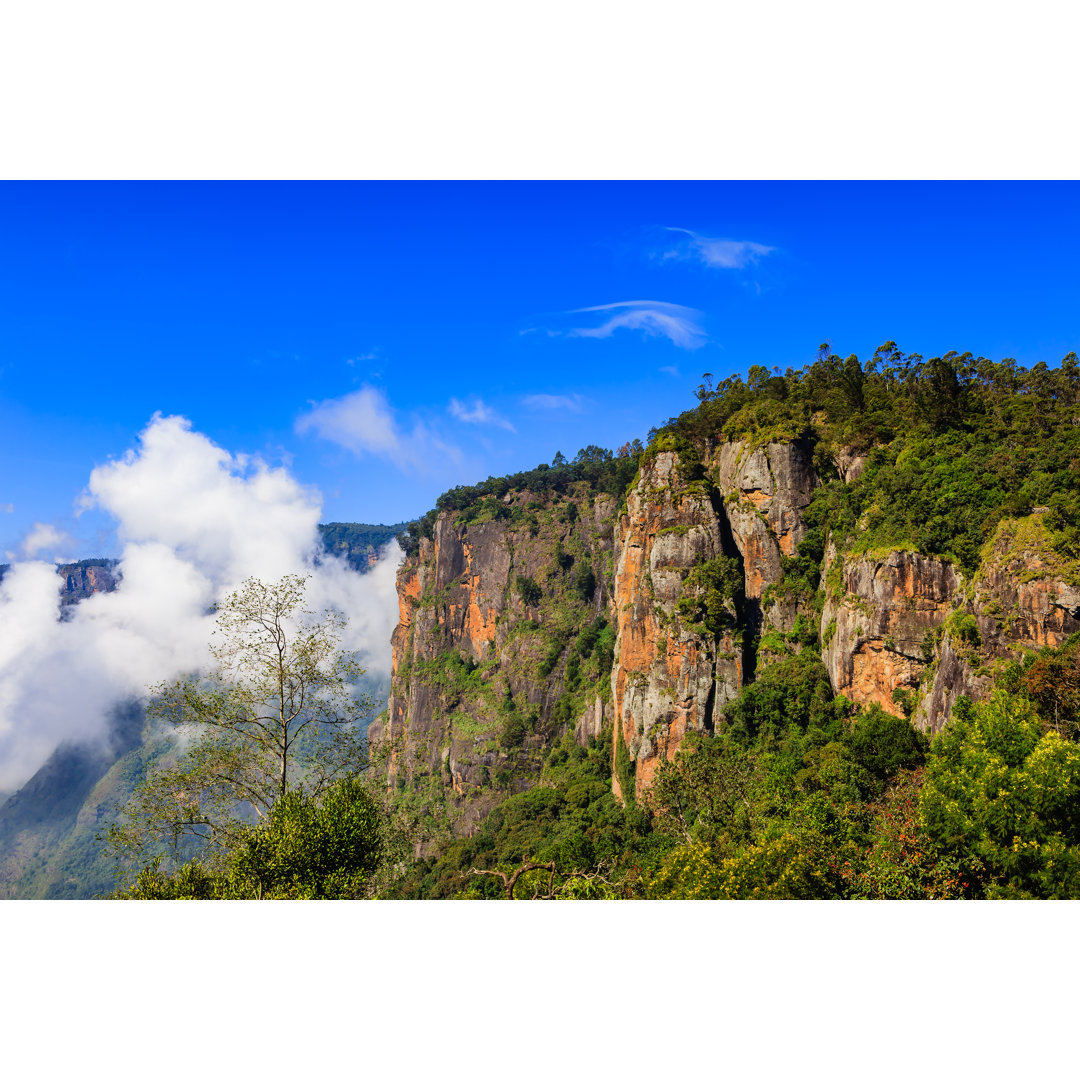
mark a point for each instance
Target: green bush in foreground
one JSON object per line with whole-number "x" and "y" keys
{"x": 309, "y": 849}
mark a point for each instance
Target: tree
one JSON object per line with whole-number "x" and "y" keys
{"x": 275, "y": 713}
{"x": 1000, "y": 787}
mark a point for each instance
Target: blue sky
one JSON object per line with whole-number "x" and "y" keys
{"x": 386, "y": 341}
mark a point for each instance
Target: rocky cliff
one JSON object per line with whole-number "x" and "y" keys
{"x": 698, "y": 534}
{"x": 82, "y": 579}
{"x": 692, "y": 575}
{"x": 500, "y": 644}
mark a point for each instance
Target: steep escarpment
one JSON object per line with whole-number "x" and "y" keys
{"x": 678, "y": 595}
{"x": 703, "y": 539}
{"x": 503, "y": 643}
{"x": 1026, "y": 596}
{"x": 880, "y": 518}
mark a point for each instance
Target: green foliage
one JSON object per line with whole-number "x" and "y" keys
{"x": 528, "y": 590}
{"x": 314, "y": 849}
{"x": 571, "y": 819}
{"x": 883, "y": 744}
{"x": 624, "y": 768}
{"x": 1002, "y": 788}
{"x": 598, "y": 469}
{"x": 1050, "y": 678}
{"x": 955, "y": 444}
{"x": 709, "y": 594}
{"x": 583, "y": 580}
{"x": 309, "y": 849}
{"x": 793, "y": 691}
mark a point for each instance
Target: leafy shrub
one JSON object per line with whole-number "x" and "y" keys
{"x": 528, "y": 590}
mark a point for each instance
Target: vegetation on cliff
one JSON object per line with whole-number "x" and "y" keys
{"x": 811, "y": 800}
{"x": 948, "y": 447}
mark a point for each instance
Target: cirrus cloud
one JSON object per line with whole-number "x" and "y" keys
{"x": 718, "y": 252}
{"x": 655, "y": 318}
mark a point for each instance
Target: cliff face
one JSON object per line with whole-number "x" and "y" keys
{"x": 495, "y": 654}
{"x": 765, "y": 491}
{"x": 669, "y": 675}
{"x": 82, "y": 579}
{"x": 875, "y": 627}
{"x": 1025, "y": 596}
{"x": 490, "y": 665}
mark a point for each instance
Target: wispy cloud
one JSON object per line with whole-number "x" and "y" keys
{"x": 42, "y": 538}
{"x": 572, "y": 403}
{"x": 670, "y": 370}
{"x": 7, "y": 508}
{"x": 655, "y": 318}
{"x": 477, "y": 413}
{"x": 364, "y": 423}
{"x": 352, "y": 361}
{"x": 717, "y": 252}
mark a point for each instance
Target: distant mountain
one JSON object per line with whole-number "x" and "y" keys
{"x": 359, "y": 543}
{"x": 81, "y": 579}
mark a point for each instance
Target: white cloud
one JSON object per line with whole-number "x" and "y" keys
{"x": 364, "y": 423}
{"x": 195, "y": 521}
{"x": 7, "y": 508}
{"x": 718, "y": 252}
{"x": 572, "y": 403}
{"x": 654, "y": 317}
{"x": 42, "y": 538}
{"x": 670, "y": 370}
{"x": 477, "y": 413}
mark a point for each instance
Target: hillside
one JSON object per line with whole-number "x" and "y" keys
{"x": 795, "y": 563}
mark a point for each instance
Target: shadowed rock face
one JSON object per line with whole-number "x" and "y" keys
{"x": 765, "y": 492}
{"x": 80, "y": 580}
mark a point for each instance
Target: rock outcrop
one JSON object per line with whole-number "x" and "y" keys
{"x": 1026, "y": 594}
{"x": 878, "y": 626}
{"x": 765, "y": 491}
{"x": 82, "y": 579}
{"x": 668, "y": 676}
{"x": 491, "y": 633}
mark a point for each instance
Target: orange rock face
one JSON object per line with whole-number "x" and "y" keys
{"x": 667, "y": 676}
{"x": 874, "y": 633}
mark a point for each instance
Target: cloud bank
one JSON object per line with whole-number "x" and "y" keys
{"x": 194, "y": 521}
